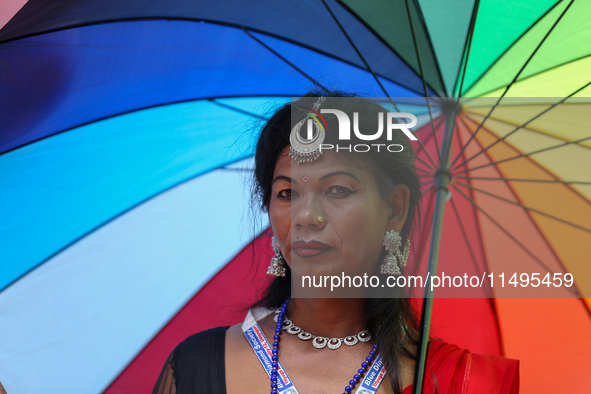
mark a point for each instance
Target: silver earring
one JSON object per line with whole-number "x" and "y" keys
{"x": 277, "y": 266}
{"x": 393, "y": 242}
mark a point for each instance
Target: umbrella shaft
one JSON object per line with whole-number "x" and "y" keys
{"x": 442, "y": 181}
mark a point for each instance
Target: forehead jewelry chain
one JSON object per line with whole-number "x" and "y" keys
{"x": 318, "y": 103}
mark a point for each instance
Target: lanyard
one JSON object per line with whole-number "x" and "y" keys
{"x": 255, "y": 336}
{"x": 262, "y": 349}
{"x": 374, "y": 377}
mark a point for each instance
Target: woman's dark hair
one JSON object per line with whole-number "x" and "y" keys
{"x": 391, "y": 321}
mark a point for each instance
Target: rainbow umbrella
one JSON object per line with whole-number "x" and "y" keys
{"x": 127, "y": 129}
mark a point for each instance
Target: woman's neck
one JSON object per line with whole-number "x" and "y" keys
{"x": 329, "y": 317}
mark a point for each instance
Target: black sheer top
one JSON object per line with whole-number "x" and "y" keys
{"x": 196, "y": 365}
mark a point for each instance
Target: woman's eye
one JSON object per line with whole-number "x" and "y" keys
{"x": 287, "y": 194}
{"x": 340, "y": 191}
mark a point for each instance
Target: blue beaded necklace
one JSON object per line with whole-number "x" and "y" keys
{"x": 275, "y": 358}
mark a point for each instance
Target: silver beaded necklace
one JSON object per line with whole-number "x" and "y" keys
{"x": 319, "y": 342}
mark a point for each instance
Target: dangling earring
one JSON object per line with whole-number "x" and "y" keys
{"x": 277, "y": 266}
{"x": 393, "y": 242}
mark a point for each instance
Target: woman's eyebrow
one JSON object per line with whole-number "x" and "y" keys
{"x": 340, "y": 173}
{"x": 285, "y": 178}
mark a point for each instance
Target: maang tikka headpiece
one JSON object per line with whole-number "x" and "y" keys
{"x": 302, "y": 150}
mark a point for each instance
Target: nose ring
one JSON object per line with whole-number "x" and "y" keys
{"x": 320, "y": 219}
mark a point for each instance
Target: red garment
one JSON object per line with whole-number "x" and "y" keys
{"x": 456, "y": 371}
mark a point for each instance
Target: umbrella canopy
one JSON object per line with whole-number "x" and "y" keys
{"x": 126, "y": 129}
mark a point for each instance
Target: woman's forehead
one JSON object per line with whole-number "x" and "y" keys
{"x": 327, "y": 163}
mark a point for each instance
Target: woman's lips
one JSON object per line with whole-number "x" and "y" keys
{"x": 309, "y": 249}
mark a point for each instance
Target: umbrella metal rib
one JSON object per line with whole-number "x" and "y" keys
{"x": 524, "y": 155}
{"x": 513, "y": 81}
{"x": 472, "y": 255}
{"x": 523, "y": 206}
{"x": 111, "y": 219}
{"x": 412, "y": 30}
{"x": 423, "y": 161}
{"x": 512, "y": 237}
{"x": 315, "y": 82}
{"x": 429, "y": 172}
{"x": 374, "y": 75}
{"x": 424, "y": 149}
{"x": 427, "y": 190}
{"x": 487, "y": 69}
{"x": 239, "y": 110}
{"x": 359, "y": 54}
{"x": 464, "y": 65}
{"x": 428, "y": 182}
{"x": 523, "y": 180}
{"x": 522, "y": 126}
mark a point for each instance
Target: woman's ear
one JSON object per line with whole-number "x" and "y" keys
{"x": 399, "y": 200}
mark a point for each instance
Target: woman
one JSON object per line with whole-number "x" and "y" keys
{"x": 331, "y": 214}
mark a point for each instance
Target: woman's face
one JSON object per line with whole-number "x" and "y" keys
{"x": 329, "y": 216}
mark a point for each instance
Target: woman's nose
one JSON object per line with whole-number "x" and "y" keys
{"x": 308, "y": 213}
